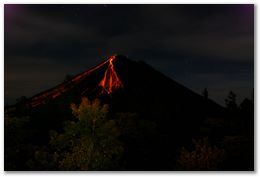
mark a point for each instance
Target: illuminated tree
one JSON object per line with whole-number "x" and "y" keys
{"x": 204, "y": 156}
{"x": 89, "y": 143}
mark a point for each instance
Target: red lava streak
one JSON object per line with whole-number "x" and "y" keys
{"x": 109, "y": 83}
{"x": 110, "y": 80}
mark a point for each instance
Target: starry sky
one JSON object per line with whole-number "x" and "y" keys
{"x": 199, "y": 46}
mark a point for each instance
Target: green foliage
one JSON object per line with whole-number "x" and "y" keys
{"x": 203, "y": 157}
{"x": 89, "y": 143}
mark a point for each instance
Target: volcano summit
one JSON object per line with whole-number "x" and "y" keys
{"x": 111, "y": 81}
{"x": 107, "y": 84}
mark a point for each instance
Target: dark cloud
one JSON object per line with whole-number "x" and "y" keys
{"x": 197, "y": 45}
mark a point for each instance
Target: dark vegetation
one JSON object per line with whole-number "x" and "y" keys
{"x": 97, "y": 139}
{"x": 153, "y": 123}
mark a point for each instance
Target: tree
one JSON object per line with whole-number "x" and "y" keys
{"x": 67, "y": 78}
{"x": 231, "y": 101}
{"x": 21, "y": 99}
{"x": 205, "y": 93}
{"x": 21, "y": 106}
{"x": 252, "y": 95}
{"x": 89, "y": 143}
{"x": 247, "y": 115}
{"x": 204, "y": 156}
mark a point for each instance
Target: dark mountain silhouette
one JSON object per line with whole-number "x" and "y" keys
{"x": 118, "y": 74}
{"x": 130, "y": 86}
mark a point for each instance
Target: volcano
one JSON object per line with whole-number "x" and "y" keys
{"x": 168, "y": 113}
{"x": 129, "y": 86}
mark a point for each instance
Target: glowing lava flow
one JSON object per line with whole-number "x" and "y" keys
{"x": 109, "y": 83}
{"x": 110, "y": 80}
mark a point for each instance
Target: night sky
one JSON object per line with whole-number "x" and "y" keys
{"x": 198, "y": 46}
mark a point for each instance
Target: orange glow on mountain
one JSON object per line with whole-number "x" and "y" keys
{"x": 110, "y": 80}
{"x": 109, "y": 83}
